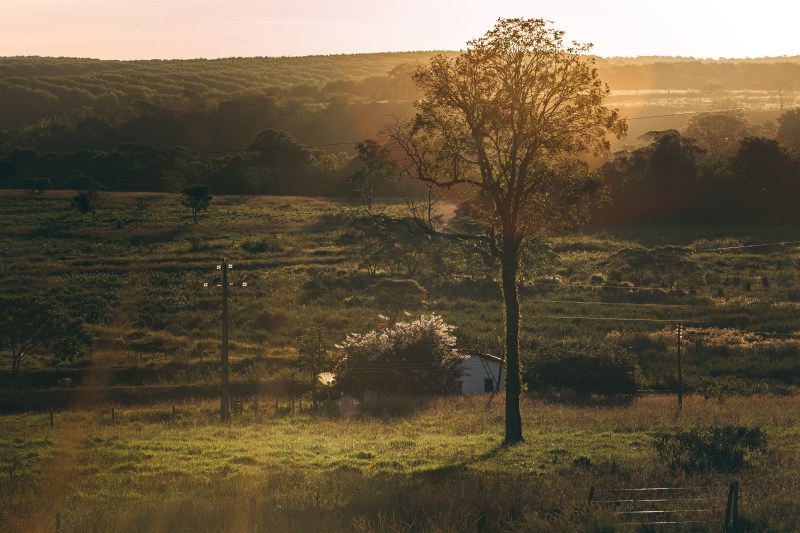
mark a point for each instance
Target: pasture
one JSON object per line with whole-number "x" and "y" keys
{"x": 134, "y": 273}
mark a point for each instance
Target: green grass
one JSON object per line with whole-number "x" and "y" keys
{"x": 438, "y": 466}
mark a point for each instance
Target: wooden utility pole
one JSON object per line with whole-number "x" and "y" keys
{"x": 225, "y": 394}
{"x": 680, "y": 373}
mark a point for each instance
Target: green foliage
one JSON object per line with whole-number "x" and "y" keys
{"x": 399, "y": 245}
{"x": 723, "y": 449}
{"x": 28, "y": 325}
{"x": 417, "y": 357}
{"x": 669, "y": 178}
{"x": 718, "y": 133}
{"x": 661, "y": 266}
{"x": 789, "y": 129}
{"x": 654, "y": 180}
{"x": 314, "y": 356}
{"x": 197, "y": 199}
{"x": 598, "y": 368}
{"x": 376, "y": 168}
{"x": 86, "y": 201}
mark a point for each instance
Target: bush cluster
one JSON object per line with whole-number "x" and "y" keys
{"x": 588, "y": 369}
{"x": 417, "y": 357}
{"x": 714, "y": 448}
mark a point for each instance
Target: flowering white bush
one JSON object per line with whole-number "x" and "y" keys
{"x": 409, "y": 357}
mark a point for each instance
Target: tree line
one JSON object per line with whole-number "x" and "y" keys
{"x": 719, "y": 169}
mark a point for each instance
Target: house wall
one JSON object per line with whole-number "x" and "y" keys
{"x": 474, "y": 375}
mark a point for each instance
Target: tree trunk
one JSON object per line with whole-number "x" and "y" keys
{"x": 510, "y": 267}
{"x": 15, "y": 363}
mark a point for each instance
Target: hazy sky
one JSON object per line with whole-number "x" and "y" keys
{"x": 144, "y": 29}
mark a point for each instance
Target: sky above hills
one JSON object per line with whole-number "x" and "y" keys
{"x": 166, "y": 29}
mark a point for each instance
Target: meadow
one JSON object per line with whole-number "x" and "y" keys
{"x": 434, "y": 465}
{"x": 134, "y": 273}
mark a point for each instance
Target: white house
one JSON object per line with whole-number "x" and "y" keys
{"x": 480, "y": 373}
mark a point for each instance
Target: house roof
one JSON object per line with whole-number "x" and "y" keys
{"x": 486, "y": 356}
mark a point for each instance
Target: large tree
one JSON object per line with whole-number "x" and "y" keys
{"x": 509, "y": 117}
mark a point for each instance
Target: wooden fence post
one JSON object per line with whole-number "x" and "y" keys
{"x": 732, "y": 508}
{"x": 173, "y": 413}
{"x": 113, "y": 416}
{"x": 255, "y": 405}
{"x": 51, "y": 419}
{"x": 58, "y": 521}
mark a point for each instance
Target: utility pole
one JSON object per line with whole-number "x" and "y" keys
{"x": 680, "y": 374}
{"x": 225, "y": 395}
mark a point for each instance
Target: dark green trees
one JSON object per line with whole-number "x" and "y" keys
{"x": 789, "y": 129}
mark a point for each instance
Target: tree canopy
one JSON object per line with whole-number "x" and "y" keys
{"x": 509, "y": 118}
{"x": 197, "y": 199}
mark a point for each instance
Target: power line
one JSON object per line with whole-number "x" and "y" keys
{"x": 629, "y": 304}
{"x": 295, "y": 147}
{"x": 584, "y": 285}
{"x": 783, "y": 243}
{"x": 701, "y": 112}
{"x": 662, "y": 320}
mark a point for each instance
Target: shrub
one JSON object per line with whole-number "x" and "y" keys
{"x": 267, "y": 243}
{"x": 416, "y": 357}
{"x": 600, "y": 368}
{"x": 714, "y": 448}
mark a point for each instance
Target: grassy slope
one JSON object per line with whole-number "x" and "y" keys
{"x": 136, "y": 276}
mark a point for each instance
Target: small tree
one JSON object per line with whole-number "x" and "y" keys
{"x": 314, "y": 355}
{"x": 416, "y": 357}
{"x": 376, "y": 167}
{"x": 29, "y": 325}
{"x": 197, "y": 199}
{"x": 86, "y": 201}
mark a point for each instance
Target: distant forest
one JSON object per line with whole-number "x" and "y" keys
{"x": 290, "y": 125}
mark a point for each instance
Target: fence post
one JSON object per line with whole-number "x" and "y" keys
{"x": 591, "y": 497}
{"x": 113, "y": 416}
{"x": 51, "y": 419}
{"x": 58, "y": 521}
{"x": 732, "y": 508}
{"x": 255, "y": 405}
{"x": 173, "y": 413}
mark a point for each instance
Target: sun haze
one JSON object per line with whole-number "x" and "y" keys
{"x": 177, "y": 29}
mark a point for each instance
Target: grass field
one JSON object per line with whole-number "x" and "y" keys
{"x": 134, "y": 273}
{"x": 434, "y": 466}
